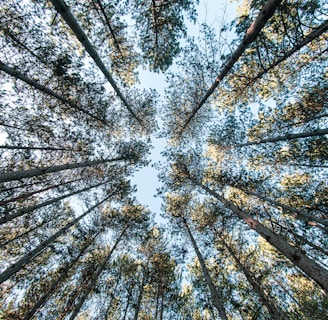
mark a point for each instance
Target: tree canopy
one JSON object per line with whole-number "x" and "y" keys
{"x": 244, "y": 172}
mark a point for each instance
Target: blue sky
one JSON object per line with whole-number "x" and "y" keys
{"x": 146, "y": 180}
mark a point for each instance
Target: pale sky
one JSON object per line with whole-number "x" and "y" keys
{"x": 211, "y": 12}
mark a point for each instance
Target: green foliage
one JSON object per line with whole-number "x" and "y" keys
{"x": 245, "y": 171}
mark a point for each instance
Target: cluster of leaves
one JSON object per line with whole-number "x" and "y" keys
{"x": 245, "y": 185}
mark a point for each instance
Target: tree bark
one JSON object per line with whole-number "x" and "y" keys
{"x": 14, "y": 73}
{"x": 275, "y": 312}
{"x": 14, "y": 268}
{"x": 308, "y": 266}
{"x": 17, "y": 175}
{"x": 28, "y": 194}
{"x": 216, "y": 299}
{"x": 96, "y": 276}
{"x": 66, "y": 14}
{"x": 142, "y": 285}
{"x": 252, "y": 32}
{"x": 127, "y": 305}
{"x": 313, "y": 35}
{"x": 62, "y": 276}
{"x": 102, "y": 9}
{"x": 35, "y": 148}
{"x": 315, "y": 133}
{"x": 298, "y": 238}
{"x": 284, "y": 206}
{"x": 9, "y": 217}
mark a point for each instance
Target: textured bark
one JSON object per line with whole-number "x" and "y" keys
{"x": 313, "y": 35}
{"x": 66, "y": 14}
{"x": 275, "y": 312}
{"x": 62, "y": 276}
{"x": 2, "y": 245}
{"x": 315, "y": 133}
{"x": 29, "y": 194}
{"x": 13, "y": 269}
{"x": 302, "y": 213}
{"x": 16, "y": 74}
{"x": 141, "y": 291}
{"x": 21, "y": 212}
{"x": 299, "y": 239}
{"x": 102, "y": 9}
{"x": 216, "y": 299}
{"x": 96, "y": 276}
{"x": 35, "y": 148}
{"x": 127, "y": 305}
{"x": 308, "y": 266}
{"x": 17, "y": 175}
{"x": 292, "y": 164}
{"x": 252, "y": 32}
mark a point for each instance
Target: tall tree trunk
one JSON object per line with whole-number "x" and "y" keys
{"x": 62, "y": 276}
{"x": 141, "y": 291}
{"x": 127, "y": 305}
{"x": 157, "y": 301}
{"x": 7, "y": 32}
{"x": 266, "y": 13}
{"x": 14, "y": 268}
{"x": 298, "y": 238}
{"x": 291, "y": 164}
{"x": 66, "y": 14}
{"x": 21, "y": 212}
{"x": 2, "y": 245}
{"x": 17, "y": 175}
{"x": 162, "y": 305}
{"x": 102, "y": 9}
{"x": 313, "y": 35}
{"x": 310, "y": 268}
{"x": 302, "y": 213}
{"x": 216, "y": 299}
{"x": 16, "y": 74}
{"x": 315, "y": 133}
{"x": 96, "y": 276}
{"x": 35, "y": 148}
{"x": 275, "y": 312}
{"x": 112, "y": 295}
{"x": 28, "y": 194}
{"x": 25, "y": 185}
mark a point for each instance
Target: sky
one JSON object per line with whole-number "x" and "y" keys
{"x": 146, "y": 180}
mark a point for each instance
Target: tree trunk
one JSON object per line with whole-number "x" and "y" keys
{"x": 310, "y": 268}
{"x": 102, "y": 9}
{"x": 28, "y": 194}
{"x": 216, "y": 300}
{"x": 299, "y": 238}
{"x": 66, "y": 14}
{"x": 291, "y": 164}
{"x": 14, "y": 73}
{"x": 142, "y": 285}
{"x": 313, "y": 35}
{"x": 112, "y": 295}
{"x": 62, "y": 276}
{"x": 275, "y": 312}
{"x": 162, "y": 306}
{"x": 14, "y": 268}
{"x": 21, "y": 212}
{"x": 96, "y": 276}
{"x": 35, "y": 148}
{"x": 266, "y": 13}
{"x": 2, "y": 245}
{"x": 127, "y": 305}
{"x": 315, "y": 133}
{"x": 17, "y": 175}
{"x": 284, "y": 206}
{"x": 157, "y": 301}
